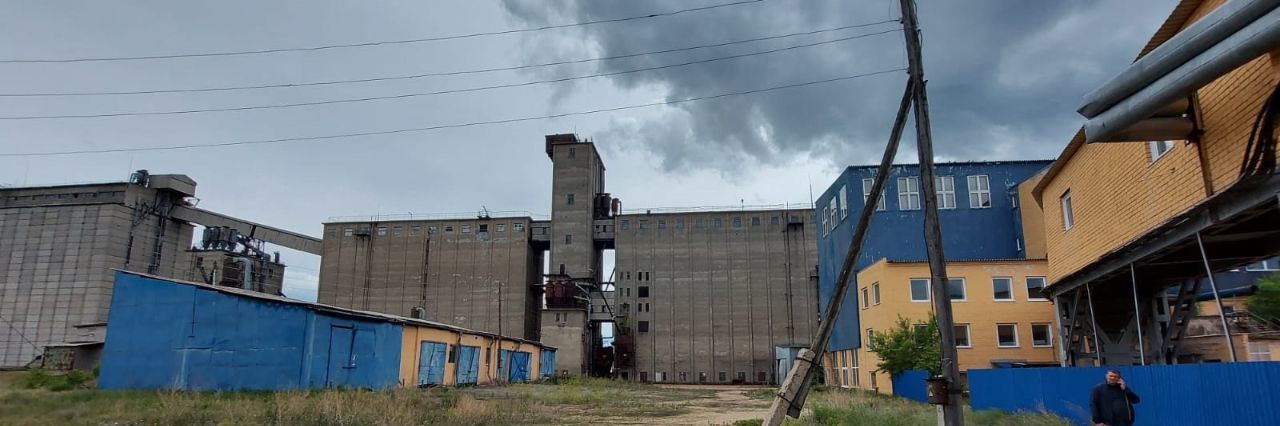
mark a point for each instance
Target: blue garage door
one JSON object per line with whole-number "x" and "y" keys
{"x": 519, "y": 367}
{"x": 341, "y": 341}
{"x": 431, "y": 363}
{"x": 504, "y": 360}
{"x": 548, "y": 360}
{"x": 468, "y": 371}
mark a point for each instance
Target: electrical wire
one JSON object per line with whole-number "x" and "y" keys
{"x": 441, "y": 92}
{"x": 378, "y": 43}
{"x": 447, "y": 73}
{"x": 449, "y": 126}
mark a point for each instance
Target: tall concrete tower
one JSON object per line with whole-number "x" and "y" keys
{"x": 581, "y": 228}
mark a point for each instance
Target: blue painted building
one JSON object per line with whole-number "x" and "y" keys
{"x": 978, "y": 211}
{"x": 167, "y": 334}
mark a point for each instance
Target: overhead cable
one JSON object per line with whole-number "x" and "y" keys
{"x": 445, "y": 73}
{"x": 439, "y": 92}
{"x": 377, "y": 43}
{"x": 449, "y": 126}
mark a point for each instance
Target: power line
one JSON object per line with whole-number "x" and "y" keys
{"x": 441, "y": 92}
{"x": 449, "y": 126}
{"x": 379, "y": 43}
{"x": 446, "y": 73}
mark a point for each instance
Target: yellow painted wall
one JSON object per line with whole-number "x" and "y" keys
{"x": 980, "y": 311}
{"x": 488, "y": 356}
{"x": 1032, "y": 218}
{"x": 1118, "y": 194}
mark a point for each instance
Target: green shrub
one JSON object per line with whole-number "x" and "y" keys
{"x": 40, "y": 378}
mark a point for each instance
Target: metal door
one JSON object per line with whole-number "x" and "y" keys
{"x": 468, "y": 371}
{"x": 519, "y": 367}
{"x": 431, "y": 361}
{"x": 341, "y": 342}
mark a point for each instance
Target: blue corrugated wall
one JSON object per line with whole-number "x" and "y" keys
{"x": 988, "y": 233}
{"x": 162, "y": 334}
{"x": 1244, "y": 393}
{"x": 911, "y": 385}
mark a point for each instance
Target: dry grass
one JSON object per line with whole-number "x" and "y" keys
{"x": 583, "y": 401}
{"x": 843, "y": 407}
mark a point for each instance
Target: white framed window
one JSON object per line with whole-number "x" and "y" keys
{"x": 517, "y": 227}
{"x": 946, "y": 187}
{"x": 1041, "y": 335}
{"x": 466, "y": 229}
{"x": 1002, "y": 288}
{"x": 1068, "y": 216}
{"x": 875, "y": 293}
{"x": 956, "y": 289}
{"x": 919, "y": 289}
{"x": 832, "y": 220}
{"x": 397, "y": 230}
{"x": 502, "y": 227}
{"x": 1034, "y": 286}
{"x": 962, "y": 336}
{"x": 870, "y": 347}
{"x": 866, "y": 193}
{"x": 1007, "y": 335}
{"x": 844, "y": 202}
{"x": 1272, "y": 264}
{"x": 1259, "y": 351}
{"x": 1157, "y": 149}
{"x": 909, "y": 193}
{"x": 866, "y": 301}
{"x": 979, "y": 192}
{"x": 347, "y": 232}
{"x": 382, "y": 230}
{"x": 826, "y": 226}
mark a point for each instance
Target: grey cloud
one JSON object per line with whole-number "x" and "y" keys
{"x": 1004, "y": 75}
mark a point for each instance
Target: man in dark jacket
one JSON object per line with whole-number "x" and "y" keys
{"x": 1112, "y": 402}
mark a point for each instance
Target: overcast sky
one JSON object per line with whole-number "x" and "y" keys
{"x": 1005, "y": 78}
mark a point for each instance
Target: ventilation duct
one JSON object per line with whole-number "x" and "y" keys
{"x": 1227, "y": 38}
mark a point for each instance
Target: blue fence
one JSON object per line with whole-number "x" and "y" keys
{"x": 910, "y": 385}
{"x": 1245, "y": 393}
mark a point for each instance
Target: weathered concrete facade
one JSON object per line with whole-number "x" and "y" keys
{"x": 480, "y": 273}
{"x": 218, "y": 267}
{"x": 58, "y": 245}
{"x": 709, "y": 295}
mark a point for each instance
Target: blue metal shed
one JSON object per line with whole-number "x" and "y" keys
{"x": 170, "y": 334}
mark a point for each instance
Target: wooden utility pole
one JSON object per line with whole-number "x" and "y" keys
{"x": 953, "y": 411}
{"x": 795, "y": 387}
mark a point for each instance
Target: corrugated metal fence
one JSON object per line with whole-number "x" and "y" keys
{"x": 910, "y": 385}
{"x": 1245, "y": 393}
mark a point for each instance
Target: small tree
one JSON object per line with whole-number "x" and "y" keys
{"x": 908, "y": 346}
{"x": 1266, "y": 303}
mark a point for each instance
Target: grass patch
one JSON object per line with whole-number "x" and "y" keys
{"x": 841, "y": 407}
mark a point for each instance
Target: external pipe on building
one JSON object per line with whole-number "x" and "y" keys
{"x": 248, "y": 273}
{"x": 1251, "y": 41}
{"x": 1182, "y": 47}
{"x": 1226, "y": 328}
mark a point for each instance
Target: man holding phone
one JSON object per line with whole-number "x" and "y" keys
{"x": 1112, "y": 402}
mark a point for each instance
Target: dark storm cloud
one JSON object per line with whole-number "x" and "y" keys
{"x": 1004, "y": 76}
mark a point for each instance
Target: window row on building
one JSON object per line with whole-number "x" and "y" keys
{"x": 1006, "y": 335}
{"x": 723, "y": 377}
{"x": 737, "y": 222}
{"x": 837, "y": 209}
{"x": 1002, "y": 290}
{"x": 416, "y": 229}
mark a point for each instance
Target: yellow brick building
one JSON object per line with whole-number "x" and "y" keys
{"x": 1131, "y": 213}
{"x": 998, "y": 311}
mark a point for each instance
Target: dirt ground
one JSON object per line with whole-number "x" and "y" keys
{"x": 730, "y": 404}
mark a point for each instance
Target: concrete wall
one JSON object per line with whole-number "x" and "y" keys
{"x": 897, "y": 234}
{"x": 578, "y": 172}
{"x": 567, "y": 329}
{"x": 57, "y": 247}
{"x": 459, "y": 274}
{"x": 980, "y": 311}
{"x": 721, "y": 294}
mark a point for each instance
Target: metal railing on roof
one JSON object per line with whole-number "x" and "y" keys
{"x": 714, "y": 209}
{"x": 437, "y": 216}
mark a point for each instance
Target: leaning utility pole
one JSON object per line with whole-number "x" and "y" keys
{"x": 791, "y": 396}
{"x": 953, "y": 410}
